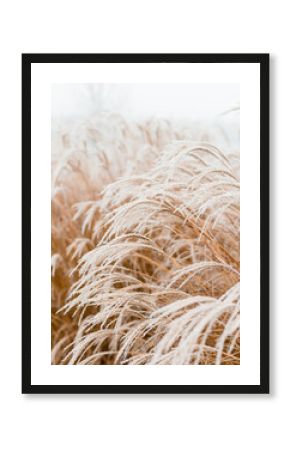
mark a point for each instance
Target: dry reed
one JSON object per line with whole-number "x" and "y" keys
{"x": 145, "y": 244}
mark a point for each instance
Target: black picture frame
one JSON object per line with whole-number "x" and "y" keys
{"x": 27, "y": 61}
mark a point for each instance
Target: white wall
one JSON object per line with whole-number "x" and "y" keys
{"x": 202, "y": 422}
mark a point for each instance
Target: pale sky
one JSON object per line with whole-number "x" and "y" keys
{"x": 138, "y": 101}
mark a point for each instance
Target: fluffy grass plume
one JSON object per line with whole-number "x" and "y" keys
{"x": 145, "y": 244}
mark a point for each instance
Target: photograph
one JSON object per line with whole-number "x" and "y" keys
{"x": 145, "y": 226}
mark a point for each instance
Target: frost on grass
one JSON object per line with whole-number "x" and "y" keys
{"x": 145, "y": 244}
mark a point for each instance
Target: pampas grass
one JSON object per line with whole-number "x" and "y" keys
{"x": 145, "y": 244}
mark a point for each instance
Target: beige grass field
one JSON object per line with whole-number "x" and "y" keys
{"x": 145, "y": 243}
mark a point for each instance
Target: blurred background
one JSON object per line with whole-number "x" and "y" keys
{"x": 210, "y": 106}
{"x": 139, "y": 101}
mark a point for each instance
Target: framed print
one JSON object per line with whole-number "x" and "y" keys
{"x": 145, "y": 223}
